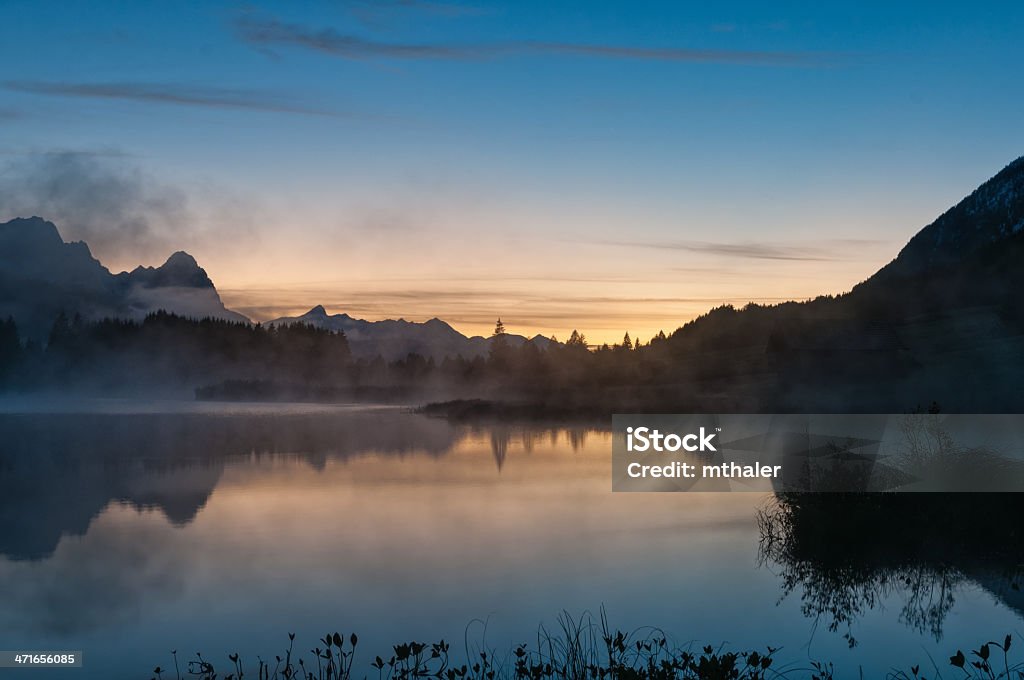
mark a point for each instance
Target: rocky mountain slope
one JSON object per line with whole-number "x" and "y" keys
{"x": 41, "y": 275}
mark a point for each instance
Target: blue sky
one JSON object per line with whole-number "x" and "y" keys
{"x": 613, "y": 166}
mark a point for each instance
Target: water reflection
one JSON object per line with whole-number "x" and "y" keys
{"x": 845, "y": 554}
{"x": 59, "y": 471}
{"x": 222, "y": 531}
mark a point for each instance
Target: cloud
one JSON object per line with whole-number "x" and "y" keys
{"x": 380, "y": 13}
{"x": 447, "y": 9}
{"x": 266, "y": 33}
{"x": 163, "y": 93}
{"x": 827, "y": 252}
{"x": 468, "y": 307}
{"x": 106, "y": 200}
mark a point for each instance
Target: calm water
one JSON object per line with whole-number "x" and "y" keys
{"x": 135, "y": 529}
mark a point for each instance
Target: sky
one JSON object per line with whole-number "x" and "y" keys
{"x": 591, "y": 165}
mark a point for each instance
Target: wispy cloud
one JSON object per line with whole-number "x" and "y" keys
{"x": 267, "y": 33}
{"x": 839, "y": 249}
{"x": 164, "y": 93}
{"x": 378, "y": 13}
{"x": 473, "y": 308}
{"x": 448, "y": 9}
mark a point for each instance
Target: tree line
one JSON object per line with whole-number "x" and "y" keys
{"x": 758, "y": 358}
{"x": 167, "y": 350}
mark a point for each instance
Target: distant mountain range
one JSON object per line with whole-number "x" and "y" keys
{"x": 41, "y": 276}
{"x": 395, "y": 339}
{"x": 953, "y": 289}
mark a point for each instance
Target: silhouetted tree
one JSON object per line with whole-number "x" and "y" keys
{"x": 577, "y": 339}
{"x": 498, "y": 354}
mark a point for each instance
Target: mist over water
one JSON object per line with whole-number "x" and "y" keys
{"x": 135, "y": 529}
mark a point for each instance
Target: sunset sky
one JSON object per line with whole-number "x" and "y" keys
{"x": 603, "y": 166}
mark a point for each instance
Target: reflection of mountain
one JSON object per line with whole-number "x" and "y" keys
{"x": 844, "y": 554}
{"x": 57, "y": 472}
{"x": 41, "y": 275}
{"x": 395, "y": 339}
{"x": 41, "y": 504}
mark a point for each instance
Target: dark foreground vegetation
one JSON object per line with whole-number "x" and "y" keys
{"x": 581, "y": 649}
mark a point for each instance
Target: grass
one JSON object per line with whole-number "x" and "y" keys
{"x": 581, "y": 648}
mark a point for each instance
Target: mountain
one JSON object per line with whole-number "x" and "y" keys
{"x": 396, "y": 338}
{"x": 992, "y": 213}
{"x": 968, "y": 258}
{"x": 942, "y": 323}
{"x": 42, "y": 275}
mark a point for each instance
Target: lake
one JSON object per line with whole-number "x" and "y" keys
{"x": 131, "y": 529}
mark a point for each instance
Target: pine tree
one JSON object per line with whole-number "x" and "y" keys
{"x": 626, "y": 342}
{"x": 577, "y": 339}
{"x": 499, "y": 351}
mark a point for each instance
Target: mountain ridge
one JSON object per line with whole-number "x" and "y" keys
{"x": 992, "y": 212}
{"x": 42, "y": 275}
{"x": 397, "y": 338}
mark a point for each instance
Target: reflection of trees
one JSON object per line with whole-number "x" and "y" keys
{"x": 577, "y": 437}
{"x": 500, "y": 439}
{"x": 60, "y": 471}
{"x": 504, "y": 436}
{"x": 844, "y": 554}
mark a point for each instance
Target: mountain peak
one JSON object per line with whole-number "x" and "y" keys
{"x": 33, "y": 251}
{"x": 180, "y": 271}
{"x": 183, "y": 260}
{"x": 30, "y": 231}
{"x": 33, "y": 247}
{"x": 316, "y": 311}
